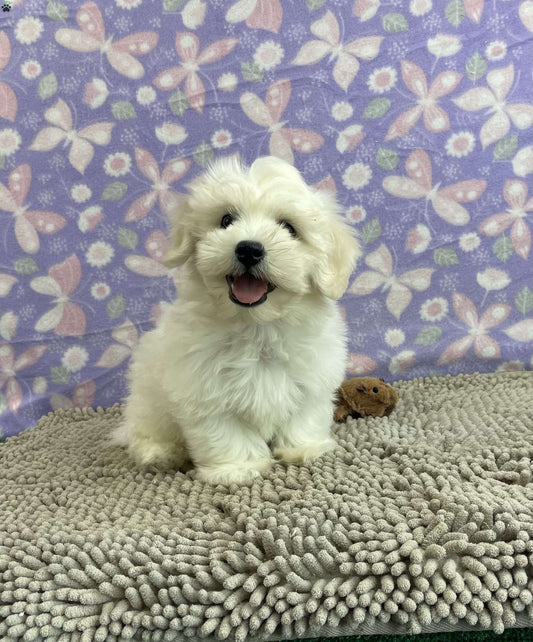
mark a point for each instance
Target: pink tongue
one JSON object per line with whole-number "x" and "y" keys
{"x": 247, "y": 289}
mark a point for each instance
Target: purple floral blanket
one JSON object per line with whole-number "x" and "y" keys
{"x": 417, "y": 114}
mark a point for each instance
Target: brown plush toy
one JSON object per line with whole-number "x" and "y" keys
{"x": 364, "y": 397}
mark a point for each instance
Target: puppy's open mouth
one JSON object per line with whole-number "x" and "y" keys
{"x": 248, "y": 290}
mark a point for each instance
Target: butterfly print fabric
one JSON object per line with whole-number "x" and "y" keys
{"x": 417, "y": 115}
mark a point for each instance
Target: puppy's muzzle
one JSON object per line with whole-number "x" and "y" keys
{"x": 246, "y": 289}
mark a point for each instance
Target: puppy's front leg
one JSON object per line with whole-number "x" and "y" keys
{"x": 152, "y": 435}
{"x": 225, "y": 451}
{"x": 307, "y": 435}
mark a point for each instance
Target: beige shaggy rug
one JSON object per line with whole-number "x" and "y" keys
{"x": 420, "y": 520}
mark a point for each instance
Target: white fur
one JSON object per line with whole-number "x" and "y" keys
{"x": 228, "y": 386}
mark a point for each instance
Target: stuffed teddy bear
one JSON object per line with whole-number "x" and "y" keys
{"x": 364, "y": 397}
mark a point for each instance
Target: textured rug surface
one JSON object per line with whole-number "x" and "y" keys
{"x": 419, "y": 518}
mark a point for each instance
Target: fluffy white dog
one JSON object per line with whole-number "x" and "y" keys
{"x": 245, "y": 364}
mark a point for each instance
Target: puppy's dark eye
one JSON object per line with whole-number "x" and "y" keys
{"x": 289, "y": 228}
{"x": 227, "y": 220}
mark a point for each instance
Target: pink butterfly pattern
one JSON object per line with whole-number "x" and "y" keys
{"x": 173, "y": 171}
{"x": 126, "y": 338}
{"x": 346, "y": 57}
{"x": 27, "y": 222}
{"x": 365, "y": 9}
{"x": 436, "y": 120}
{"x": 65, "y": 318}
{"x": 10, "y": 366}
{"x": 500, "y": 82}
{"x": 485, "y": 346}
{"x": 474, "y": 9}
{"x": 515, "y": 195}
{"x": 521, "y": 331}
{"x": 8, "y": 98}
{"x": 258, "y": 14}
{"x": 268, "y": 114}
{"x": 382, "y": 275}
{"x": 82, "y": 397}
{"x": 421, "y": 133}
{"x": 9, "y": 322}
{"x": 327, "y": 184}
{"x": 81, "y": 150}
{"x": 121, "y": 54}
{"x": 360, "y": 365}
{"x": 525, "y": 12}
{"x": 419, "y": 184}
{"x": 6, "y": 283}
{"x": 188, "y": 49}
{"x": 150, "y": 265}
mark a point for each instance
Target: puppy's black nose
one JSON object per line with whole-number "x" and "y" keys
{"x": 249, "y": 252}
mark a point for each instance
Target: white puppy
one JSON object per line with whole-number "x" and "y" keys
{"x": 245, "y": 364}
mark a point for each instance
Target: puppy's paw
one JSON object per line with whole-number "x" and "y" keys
{"x": 304, "y": 453}
{"x": 161, "y": 455}
{"x": 238, "y": 473}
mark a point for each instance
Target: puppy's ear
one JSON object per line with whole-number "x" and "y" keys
{"x": 180, "y": 244}
{"x": 341, "y": 251}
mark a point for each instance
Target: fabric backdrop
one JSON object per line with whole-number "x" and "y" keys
{"x": 418, "y": 114}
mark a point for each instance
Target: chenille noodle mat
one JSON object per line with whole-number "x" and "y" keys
{"x": 422, "y": 520}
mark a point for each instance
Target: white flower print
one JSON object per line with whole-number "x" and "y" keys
{"x": 460, "y": 144}
{"x": 145, "y": 95}
{"x": 357, "y": 176}
{"x": 420, "y": 7}
{"x": 469, "y": 241}
{"x": 117, "y": 164}
{"x": 80, "y": 193}
{"x": 99, "y": 254}
{"x": 227, "y": 82}
{"x": 74, "y": 358}
{"x": 10, "y": 141}
{"x": 382, "y": 80}
{"x": 268, "y": 55}
{"x": 100, "y": 291}
{"x": 394, "y": 337}
{"x": 28, "y": 30}
{"x": 31, "y": 69}
{"x": 221, "y": 139}
{"x": 434, "y": 309}
{"x": 496, "y": 50}
{"x": 341, "y": 110}
{"x": 128, "y": 4}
